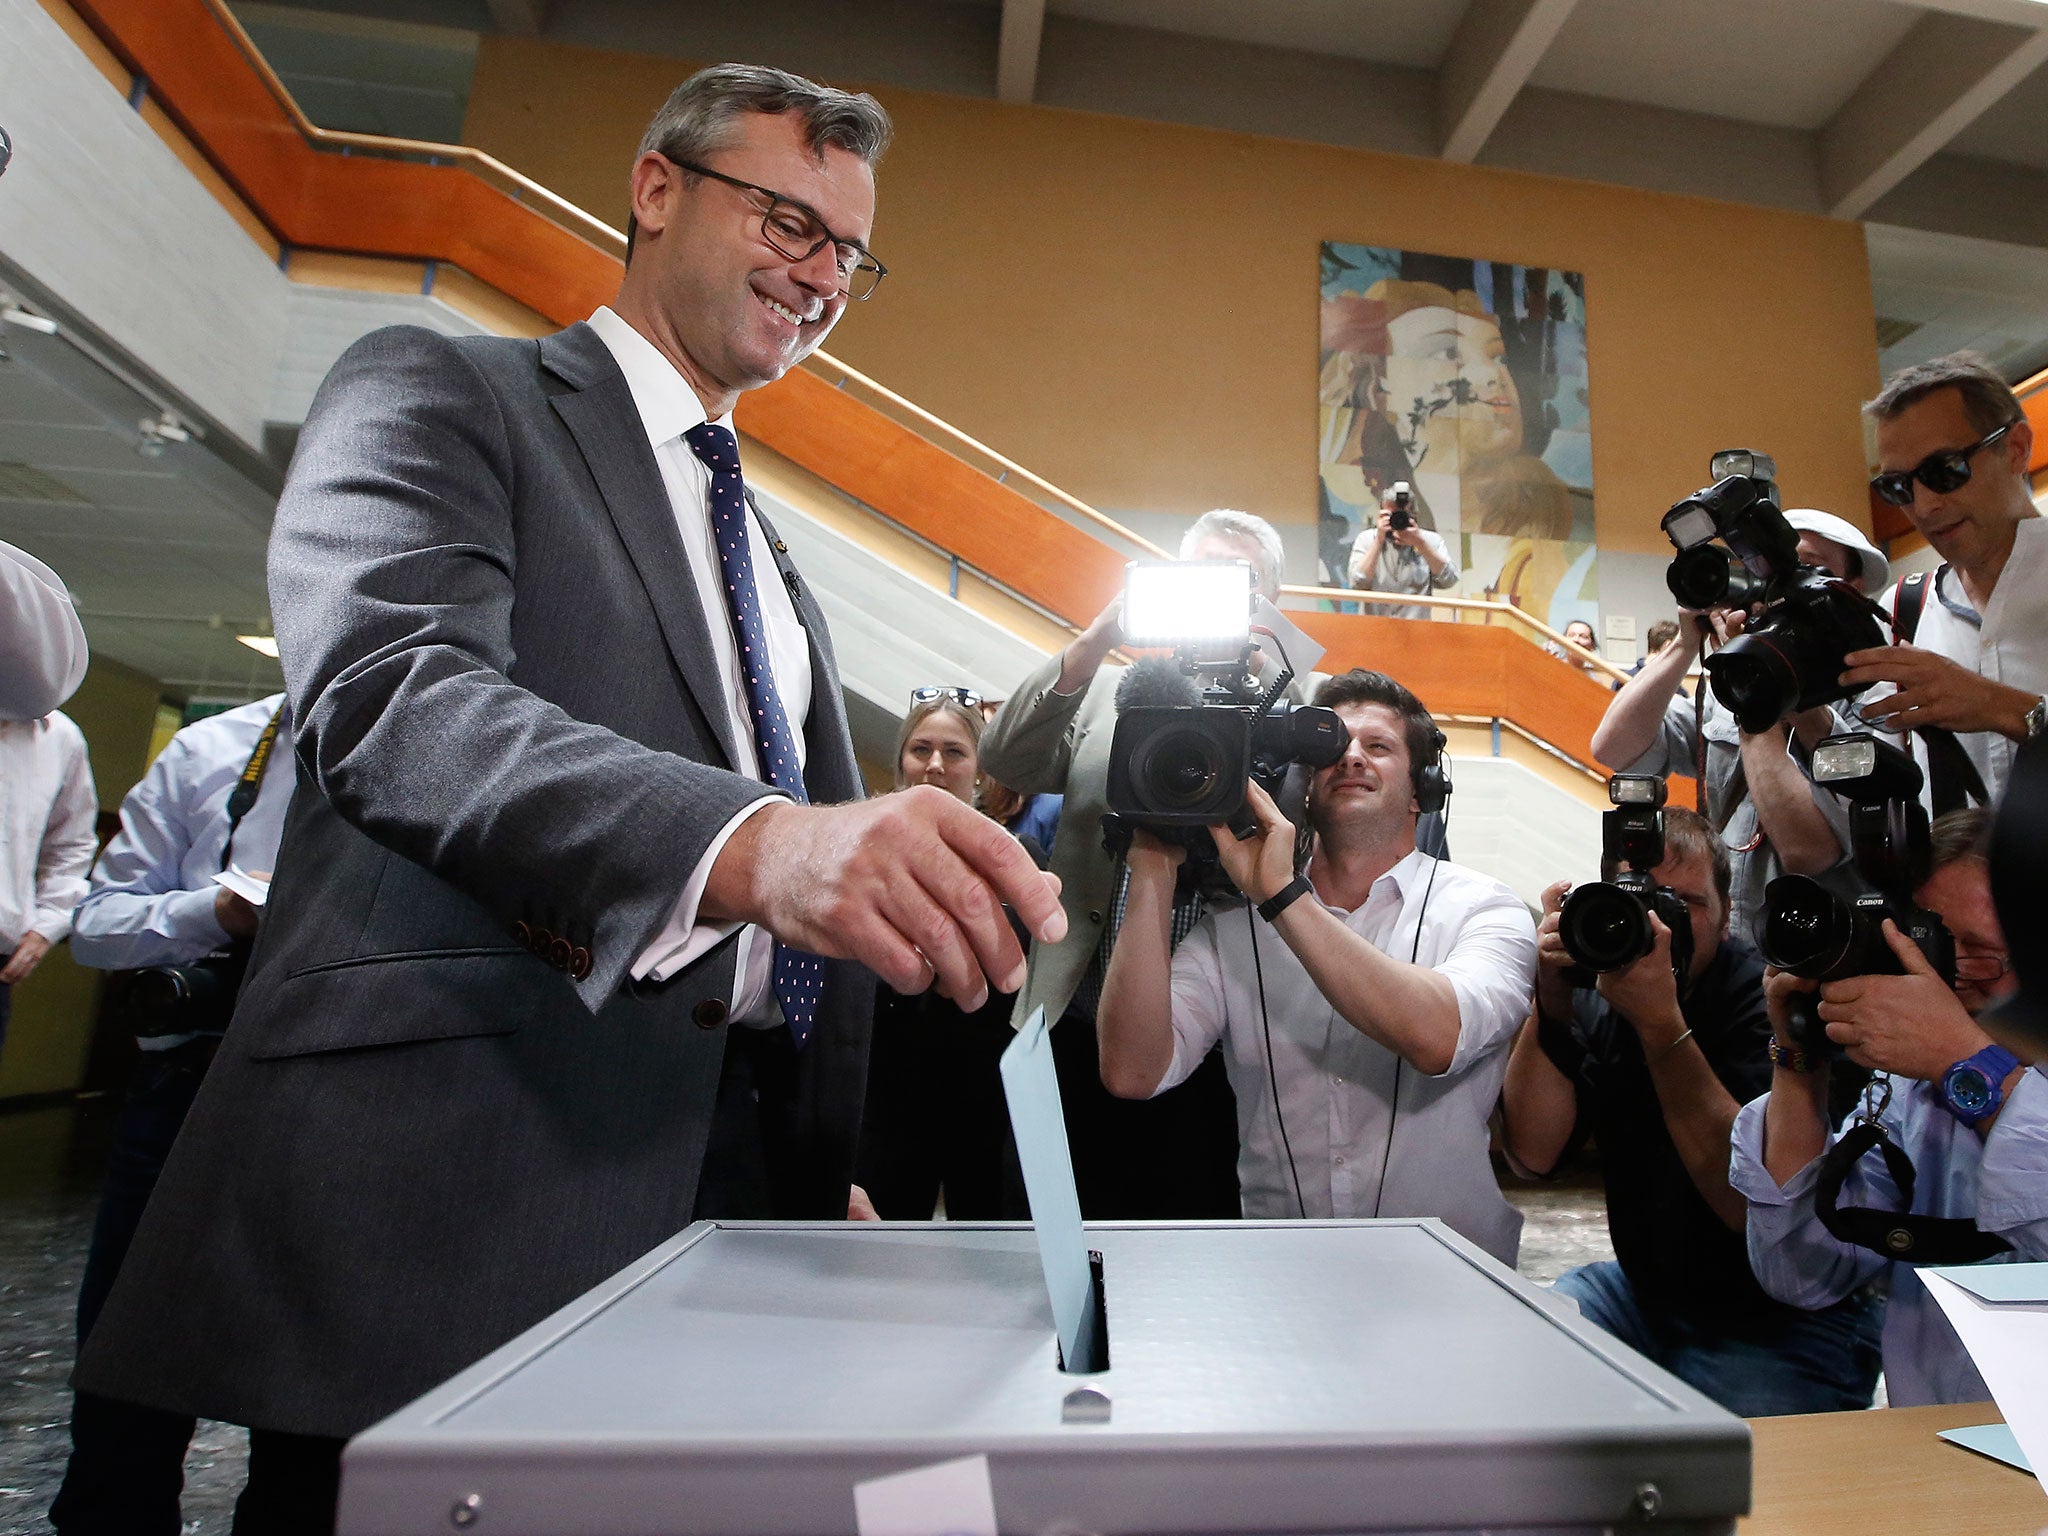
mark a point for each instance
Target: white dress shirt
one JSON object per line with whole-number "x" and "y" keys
{"x": 2000, "y": 1181}
{"x": 1358, "y": 1149}
{"x": 668, "y": 408}
{"x": 42, "y": 645}
{"x": 2010, "y": 646}
{"x": 47, "y": 837}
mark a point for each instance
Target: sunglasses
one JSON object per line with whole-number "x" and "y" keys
{"x": 966, "y": 696}
{"x": 1939, "y": 472}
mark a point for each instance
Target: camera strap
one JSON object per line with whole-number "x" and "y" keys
{"x": 243, "y": 796}
{"x": 1899, "y": 1234}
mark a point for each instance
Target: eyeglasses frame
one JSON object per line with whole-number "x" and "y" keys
{"x": 1879, "y": 483}
{"x": 966, "y": 698}
{"x": 768, "y": 213}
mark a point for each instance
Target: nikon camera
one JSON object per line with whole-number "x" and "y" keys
{"x": 1606, "y": 925}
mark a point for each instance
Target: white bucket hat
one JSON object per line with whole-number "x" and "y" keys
{"x": 1877, "y": 571}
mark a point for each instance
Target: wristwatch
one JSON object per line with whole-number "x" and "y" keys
{"x": 1284, "y": 898}
{"x": 2037, "y": 717}
{"x": 1974, "y": 1087}
{"x": 1791, "y": 1057}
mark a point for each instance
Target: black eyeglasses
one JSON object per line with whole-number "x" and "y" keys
{"x": 794, "y": 229}
{"x": 1939, "y": 472}
{"x": 966, "y": 696}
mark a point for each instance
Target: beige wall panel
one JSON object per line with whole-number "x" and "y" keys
{"x": 1129, "y": 308}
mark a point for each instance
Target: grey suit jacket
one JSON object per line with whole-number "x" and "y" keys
{"x": 443, "y": 1109}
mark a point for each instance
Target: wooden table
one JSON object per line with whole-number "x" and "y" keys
{"x": 1860, "y": 1474}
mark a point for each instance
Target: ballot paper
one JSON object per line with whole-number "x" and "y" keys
{"x": 948, "y": 1498}
{"x": 1993, "y": 1440}
{"x": 1033, "y": 1090}
{"x": 2001, "y": 1313}
{"x": 253, "y": 889}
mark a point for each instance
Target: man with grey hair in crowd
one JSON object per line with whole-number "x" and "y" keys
{"x": 1173, "y": 1157}
{"x": 569, "y": 943}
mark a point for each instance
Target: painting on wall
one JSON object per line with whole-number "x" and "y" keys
{"x": 1467, "y": 379}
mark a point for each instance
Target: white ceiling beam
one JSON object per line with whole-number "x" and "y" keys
{"x": 1017, "y": 50}
{"x": 1495, "y": 49}
{"x": 524, "y": 18}
{"x": 1939, "y": 80}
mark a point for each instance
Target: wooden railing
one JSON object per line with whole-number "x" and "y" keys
{"x": 364, "y": 194}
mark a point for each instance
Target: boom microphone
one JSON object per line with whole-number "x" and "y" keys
{"x": 1156, "y": 681}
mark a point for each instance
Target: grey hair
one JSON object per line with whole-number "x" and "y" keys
{"x": 1246, "y": 527}
{"x": 1988, "y": 401}
{"x": 699, "y": 116}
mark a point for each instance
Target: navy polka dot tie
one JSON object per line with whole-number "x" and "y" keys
{"x": 799, "y": 977}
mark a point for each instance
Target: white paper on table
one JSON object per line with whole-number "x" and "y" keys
{"x": 1302, "y": 652}
{"x": 1993, "y": 1440}
{"x": 948, "y": 1498}
{"x": 2007, "y": 1341}
{"x": 250, "y": 888}
{"x": 1032, "y": 1088}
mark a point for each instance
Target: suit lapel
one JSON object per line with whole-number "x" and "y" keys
{"x": 601, "y": 416}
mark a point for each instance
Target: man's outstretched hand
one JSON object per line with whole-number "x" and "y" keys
{"x": 912, "y": 885}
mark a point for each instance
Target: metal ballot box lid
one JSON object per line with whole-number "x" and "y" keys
{"x": 1340, "y": 1376}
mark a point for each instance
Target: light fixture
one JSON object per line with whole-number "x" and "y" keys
{"x": 263, "y": 645}
{"x": 159, "y": 432}
{"x": 14, "y": 314}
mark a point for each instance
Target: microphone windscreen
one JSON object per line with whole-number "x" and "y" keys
{"x": 1156, "y": 680}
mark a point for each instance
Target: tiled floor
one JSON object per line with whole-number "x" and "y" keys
{"x": 50, "y": 1163}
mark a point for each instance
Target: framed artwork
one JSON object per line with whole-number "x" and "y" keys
{"x": 1467, "y": 379}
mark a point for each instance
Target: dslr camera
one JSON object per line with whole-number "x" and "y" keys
{"x": 1192, "y": 729}
{"x": 1815, "y": 931}
{"x": 1606, "y": 925}
{"x": 1401, "y": 515}
{"x": 1735, "y": 550}
{"x": 194, "y": 998}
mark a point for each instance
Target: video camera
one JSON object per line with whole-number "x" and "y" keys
{"x": 1736, "y": 550}
{"x": 1193, "y": 729}
{"x": 1606, "y": 925}
{"x": 1401, "y": 516}
{"x": 1813, "y": 931}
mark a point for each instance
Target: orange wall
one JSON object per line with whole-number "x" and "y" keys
{"x": 1129, "y": 308}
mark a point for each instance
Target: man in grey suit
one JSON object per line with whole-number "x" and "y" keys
{"x": 558, "y": 956}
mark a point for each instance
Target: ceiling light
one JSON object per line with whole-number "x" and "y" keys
{"x": 14, "y": 314}
{"x": 263, "y": 645}
{"x": 158, "y": 433}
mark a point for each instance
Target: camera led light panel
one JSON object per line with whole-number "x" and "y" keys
{"x": 1175, "y": 602}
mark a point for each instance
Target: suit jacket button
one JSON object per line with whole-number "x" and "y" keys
{"x": 558, "y": 954}
{"x": 1094, "y": 917}
{"x": 579, "y": 963}
{"x": 709, "y": 1014}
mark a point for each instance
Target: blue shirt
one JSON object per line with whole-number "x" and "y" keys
{"x": 152, "y": 893}
{"x": 1999, "y": 1180}
{"x": 1039, "y": 820}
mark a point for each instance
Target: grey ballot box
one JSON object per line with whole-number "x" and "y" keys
{"x": 1340, "y": 1376}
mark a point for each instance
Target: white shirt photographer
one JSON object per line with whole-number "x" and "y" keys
{"x": 1369, "y": 1134}
{"x": 1402, "y": 568}
{"x": 2008, "y": 643}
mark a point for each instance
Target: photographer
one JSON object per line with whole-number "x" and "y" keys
{"x": 1758, "y": 799}
{"x": 1655, "y": 1075}
{"x": 1954, "y": 450}
{"x": 1972, "y": 1119}
{"x": 154, "y": 905}
{"x": 1397, "y": 554}
{"x": 1177, "y": 1158}
{"x": 1366, "y": 1045}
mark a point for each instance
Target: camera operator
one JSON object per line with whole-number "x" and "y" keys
{"x": 1398, "y": 554}
{"x": 1367, "y": 1044}
{"x": 1972, "y": 1119}
{"x": 1175, "y": 1158}
{"x": 1954, "y": 448}
{"x": 155, "y": 908}
{"x": 1655, "y": 1074}
{"x": 1758, "y": 798}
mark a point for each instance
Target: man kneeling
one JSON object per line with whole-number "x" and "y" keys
{"x": 1364, "y": 1006}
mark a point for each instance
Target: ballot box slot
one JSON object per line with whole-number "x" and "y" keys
{"x": 1092, "y": 1357}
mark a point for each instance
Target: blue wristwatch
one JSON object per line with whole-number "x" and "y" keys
{"x": 1975, "y": 1086}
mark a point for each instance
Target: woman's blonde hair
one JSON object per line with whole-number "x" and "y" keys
{"x": 945, "y": 703}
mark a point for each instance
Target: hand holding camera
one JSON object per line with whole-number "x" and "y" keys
{"x": 1910, "y": 1024}
{"x": 1262, "y": 864}
{"x": 1645, "y": 993}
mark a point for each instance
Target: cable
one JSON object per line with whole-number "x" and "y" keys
{"x": 1272, "y": 1068}
{"x": 1394, "y": 1106}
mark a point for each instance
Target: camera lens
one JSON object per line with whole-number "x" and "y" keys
{"x": 1806, "y": 928}
{"x": 1604, "y": 927}
{"x": 1755, "y": 680}
{"x": 1179, "y": 769}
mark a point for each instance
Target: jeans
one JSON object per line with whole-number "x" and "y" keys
{"x": 1786, "y": 1361}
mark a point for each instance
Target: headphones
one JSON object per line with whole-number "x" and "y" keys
{"x": 1433, "y": 778}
